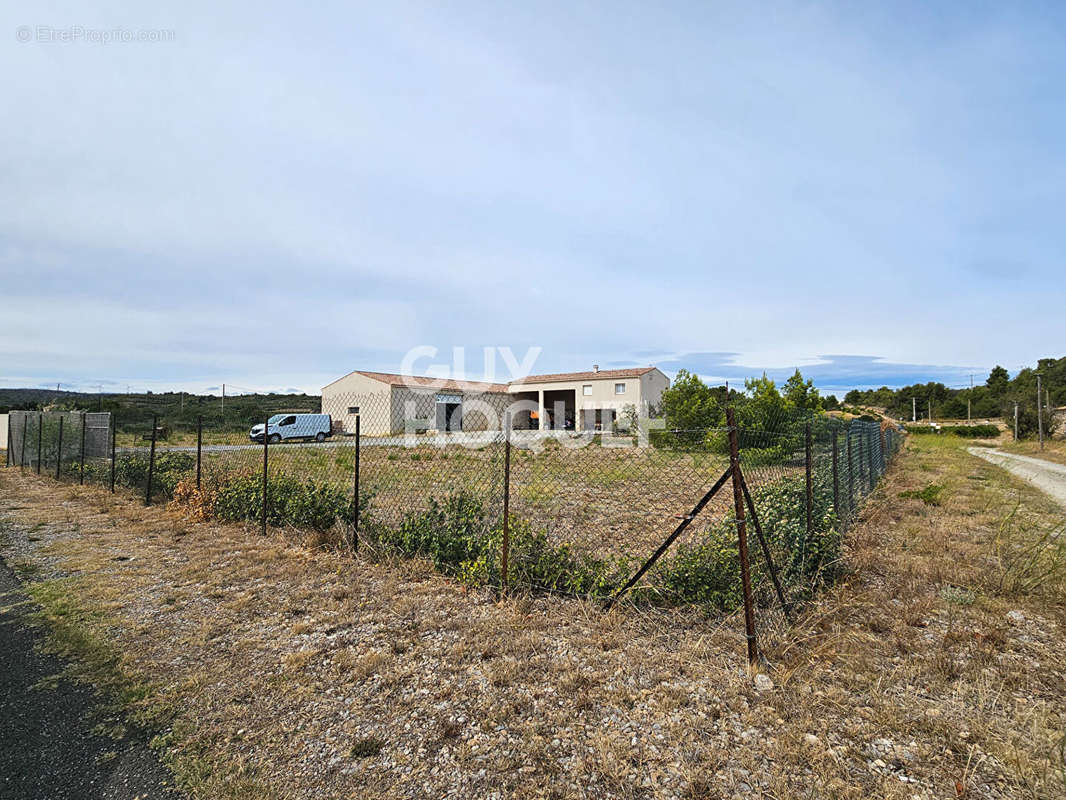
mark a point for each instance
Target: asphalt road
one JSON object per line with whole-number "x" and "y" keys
{"x": 48, "y": 747}
{"x": 1045, "y": 475}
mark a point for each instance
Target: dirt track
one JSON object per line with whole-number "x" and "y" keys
{"x": 1047, "y": 476}
{"x": 58, "y": 739}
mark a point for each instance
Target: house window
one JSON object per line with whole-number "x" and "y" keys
{"x": 619, "y": 388}
{"x": 353, "y": 409}
{"x": 587, "y": 390}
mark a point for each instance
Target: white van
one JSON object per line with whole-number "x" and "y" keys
{"x": 295, "y": 426}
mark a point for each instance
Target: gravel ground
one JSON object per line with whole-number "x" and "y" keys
{"x": 1048, "y": 476}
{"x": 51, "y": 740}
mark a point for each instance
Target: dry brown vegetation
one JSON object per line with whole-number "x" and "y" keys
{"x": 935, "y": 670}
{"x": 606, "y": 500}
{"x": 1054, "y": 449}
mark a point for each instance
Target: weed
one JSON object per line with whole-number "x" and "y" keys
{"x": 366, "y": 747}
{"x": 930, "y": 495}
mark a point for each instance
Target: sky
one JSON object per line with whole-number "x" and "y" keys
{"x": 273, "y": 195}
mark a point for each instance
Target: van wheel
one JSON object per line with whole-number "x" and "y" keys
{"x": 320, "y": 437}
{"x": 275, "y": 438}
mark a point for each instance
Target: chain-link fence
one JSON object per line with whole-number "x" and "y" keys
{"x": 626, "y": 510}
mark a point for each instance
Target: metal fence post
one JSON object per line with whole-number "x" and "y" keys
{"x": 59, "y": 451}
{"x": 851, "y": 471}
{"x": 355, "y": 489}
{"x": 113, "y": 430}
{"x": 22, "y": 453}
{"x": 81, "y": 471}
{"x": 266, "y": 446}
{"x": 884, "y": 458}
{"x": 40, "y": 430}
{"x": 151, "y": 462}
{"x": 505, "y": 547}
{"x": 836, "y": 480}
{"x": 742, "y": 535}
{"x": 809, "y": 468}
{"x": 7, "y": 450}
{"x": 870, "y": 459}
{"x": 199, "y": 446}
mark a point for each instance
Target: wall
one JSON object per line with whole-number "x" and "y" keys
{"x": 371, "y": 396}
{"x": 639, "y": 392}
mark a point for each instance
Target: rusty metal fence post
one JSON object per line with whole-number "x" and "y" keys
{"x": 199, "y": 446}
{"x": 809, "y": 475}
{"x": 836, "y": 481}
{"x": 40, "y": 431}
{"x": 742, "y": 535}
{"x": 81, "y": 468}
{"x": 266, "y": 447}
{"x": 870, "y": 459}
{"x": 113, "y": 432}
{"x": 883, "y": 459}
{"x": 355, "y": 488}
{"x": 151, "y": 462}
{"x": 851, "y": 471}
{"x": 59, "y": 451}
{"x": 505, "y": 546}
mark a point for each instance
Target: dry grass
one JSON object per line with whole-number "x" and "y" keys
{"x": 1054, "y": 449}
{"x": 304, "y": 674}
{"x": 605, "y": 500}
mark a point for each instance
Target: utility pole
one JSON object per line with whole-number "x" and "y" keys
{"x": 914, "y": 409}
{"x": 930, "y": 401}
{"x": 1039, "y": 414}
{"x": 223, "y": 401}
{"x": 968, "y": 398}
{"x": 1015, "y": 420}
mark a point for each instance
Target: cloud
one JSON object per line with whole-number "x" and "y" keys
{"x": 276, "y": 205}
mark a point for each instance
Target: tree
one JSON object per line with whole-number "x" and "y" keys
{"x": 998, "y": 381}
{"x": 765, "y": 408}
{"x": 689, "y": 404}
{"x": 801, "y": 394}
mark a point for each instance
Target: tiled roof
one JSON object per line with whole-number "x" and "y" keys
{"x": 445, "y": 384}
{"x": 603, "y": 374}
{"x": 449, "y": 385}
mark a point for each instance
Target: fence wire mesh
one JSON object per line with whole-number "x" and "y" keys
{"x": 571, "y": 511}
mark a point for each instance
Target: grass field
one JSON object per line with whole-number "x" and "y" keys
{"x": 604, "y": 500}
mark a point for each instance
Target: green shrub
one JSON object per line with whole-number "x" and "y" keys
{"x": 131, "y": 469}
{"x": 460, "y": 539}
{"x": 966, "y": 431}
{"x": 301, "y": 503}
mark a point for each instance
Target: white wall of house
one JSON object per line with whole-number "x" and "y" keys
{"x": 612, "y": 394}
{"x": 372, "y": 397}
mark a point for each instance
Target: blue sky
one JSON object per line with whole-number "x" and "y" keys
{"x": 282, "y": 193}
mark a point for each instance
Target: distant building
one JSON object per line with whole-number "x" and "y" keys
{"x": 388, "y": 403}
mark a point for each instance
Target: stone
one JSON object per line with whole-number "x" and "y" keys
{"x": 763, "y": 683}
